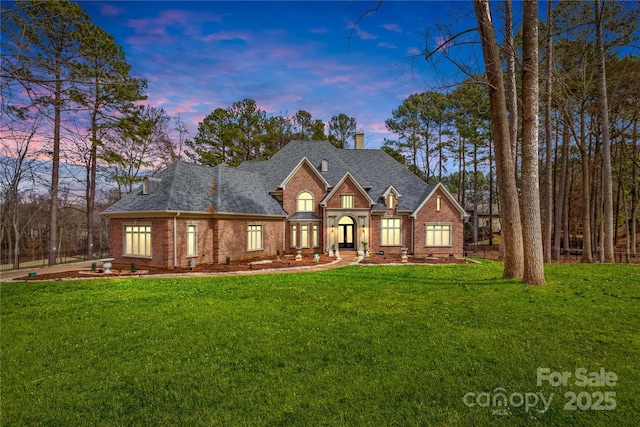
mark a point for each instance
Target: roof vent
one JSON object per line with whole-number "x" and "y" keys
{"x": 324, "y": 167}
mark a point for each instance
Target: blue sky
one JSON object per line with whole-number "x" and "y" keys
{"x": 287, "y": 56}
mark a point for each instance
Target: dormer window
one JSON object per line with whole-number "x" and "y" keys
{"x": 305, "y": 202}
{"x": 324, "y": 166}
{"x": 145, "y": 185}
{"x": 392, "y": 201}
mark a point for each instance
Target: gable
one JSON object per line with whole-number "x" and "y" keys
{"x": 447, "y": 201}
{"x": 305, "y": 165}
{"x": 348, "y": 186}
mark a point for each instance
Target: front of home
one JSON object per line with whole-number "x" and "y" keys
{"x": 309, "y": 197}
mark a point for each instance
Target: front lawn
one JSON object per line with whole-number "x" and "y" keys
{"x": 361, "y": 345}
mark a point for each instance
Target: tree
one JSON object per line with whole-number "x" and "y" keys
{"x": 105, "y": 89}
{"x": 132, "y": 146}
{"x": 606, "y": 144}
{"x": 342, "y": 129}
{"x": 533, "y": 273}
{"x": 41, "y": 43}
{"x": 214, "y": 141}
{"x": 505, "y": 167}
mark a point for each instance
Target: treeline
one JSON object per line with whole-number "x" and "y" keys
{"x": 244, "y": 132}
{"x": 578, "y": 75}
{"x": 69, "y": 101}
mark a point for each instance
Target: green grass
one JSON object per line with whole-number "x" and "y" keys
{"x": 360, "y": 345}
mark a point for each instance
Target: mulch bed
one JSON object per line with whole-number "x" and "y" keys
{"x": 396, "y": 259}
{"x": 123, "y": 270}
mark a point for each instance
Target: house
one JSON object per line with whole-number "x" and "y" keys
{"x": 310, "y": 196}
{"x": 489, "y": 219}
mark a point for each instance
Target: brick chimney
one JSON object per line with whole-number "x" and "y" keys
{"x": 359, "y": 141}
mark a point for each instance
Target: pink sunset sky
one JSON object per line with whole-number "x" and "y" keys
{"x": 288, "y": 56}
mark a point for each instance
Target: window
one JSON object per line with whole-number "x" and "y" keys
{"x": 438, "y": 235}
{"x": 137, "y": 240}
{"x": 294, "y": 235}
{"x": 392, "y": 201}
{"x": 348, "y": 202}
{"x": 390, "y": 231}
{"x": 305, "y": 202}
{"x": 315, "y": 236}
{"x": 192, "y": 240}
{"x": 304, "y": 235}
{"x": 145, "y": 185}
{"x": 438, "y": 203}
{"x": 254, "y": 237}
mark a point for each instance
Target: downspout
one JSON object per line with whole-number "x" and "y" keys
{"x": 175, "y": 241}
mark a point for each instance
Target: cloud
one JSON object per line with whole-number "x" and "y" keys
{"x": 364, "y": 35}
{"x": 392, "y": 27}
{"x": 110, "y": 10}
{"x": 320, "y": 30}
{"x": 387, "y": 45}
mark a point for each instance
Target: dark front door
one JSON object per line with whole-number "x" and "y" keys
{"x": 345, "y": 233}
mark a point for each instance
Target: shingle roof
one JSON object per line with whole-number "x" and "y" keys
{"x": 374, "y": 170}
{"x": 187, "y": 187}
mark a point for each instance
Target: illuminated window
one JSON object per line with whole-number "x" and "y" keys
{"x": 315, "y": 236}
{"x": 438, "y": 203}
{"x": 438, "y": 235}
{"x": 294, "y": 235}
{"x": 304, "y": 235}
{"x": 305, "y": 202}
{"x": 392, "y": 201}
{"x": 192, "y": 240}
{"x": 254, "y": 237}
{"x": 137, "y": 240}
{"x": 390, "y": 231}
{"x": 348, "y": 202}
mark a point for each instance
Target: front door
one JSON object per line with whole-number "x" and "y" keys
{"x": 345, "y": 233}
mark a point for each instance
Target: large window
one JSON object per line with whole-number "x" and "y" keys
{"x": 438, "y": 235}
{"x": 316, "y": 242}
{"x": 304, "y": 235}
{"x": 390, "y": 232}
{"x": 192, "y": 240}
{"x": 254, "y": 237}
{"x": 137, "y": 240}
{"x": 305, "y": 202}
{"x": 348, "y": 202}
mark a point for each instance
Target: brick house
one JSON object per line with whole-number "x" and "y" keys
{"x": 310, "y": 196}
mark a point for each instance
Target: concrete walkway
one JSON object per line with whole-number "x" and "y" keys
{"x": 346, "y": 258}
{"x": 58, "y": 268}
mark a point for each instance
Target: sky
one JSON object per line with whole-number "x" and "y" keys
{"x": 287, "y": 56}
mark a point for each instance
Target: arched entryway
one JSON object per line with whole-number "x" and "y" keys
{"x": 346, "y": 233}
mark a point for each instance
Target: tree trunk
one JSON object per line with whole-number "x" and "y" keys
{"x": 548, "y": 220}
{"x": 635, "y": 192}
{"x": 531, "y": 227}
{"x": 607, "y": 191}
{"x": 560, "y": 204}
{"x": 505, "y": 166}
{"x": 55, "y": 171}
{"x": 512, "y": 92}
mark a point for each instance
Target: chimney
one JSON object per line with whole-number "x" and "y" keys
{"x": 359, "y": 141}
